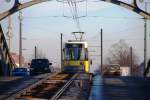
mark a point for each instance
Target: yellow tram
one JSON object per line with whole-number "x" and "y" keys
{"x": 75, "y": 58}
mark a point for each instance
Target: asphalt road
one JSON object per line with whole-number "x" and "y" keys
{"x": 120, "y": 88}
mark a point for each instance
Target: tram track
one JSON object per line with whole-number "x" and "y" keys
{"x": 60, "y": 92}
{"x": 51, "y": 87}
{"x": 12, "y": 85}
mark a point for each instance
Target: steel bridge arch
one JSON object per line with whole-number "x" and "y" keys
{"x": 18, "y": 6}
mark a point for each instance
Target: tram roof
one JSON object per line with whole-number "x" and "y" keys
{"x": 77, "y": 42}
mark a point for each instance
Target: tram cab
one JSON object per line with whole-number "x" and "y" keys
{"x": 76, "y": 57}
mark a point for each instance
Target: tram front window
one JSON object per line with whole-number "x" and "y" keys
{"x": 74, "y": 53}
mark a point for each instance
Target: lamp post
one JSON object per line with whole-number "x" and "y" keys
{"x": 101, "y": 51}
{"x": 145, "y": 38}
{"x": 61, "y": 51}
{"x": 20, "y": 38}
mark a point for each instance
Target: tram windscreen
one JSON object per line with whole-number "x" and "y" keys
{"x": 75, "y": 52}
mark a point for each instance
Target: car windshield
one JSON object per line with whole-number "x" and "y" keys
{"x": 20, "y": 70}
{"x": 38, "y": 62}
{"x": 114, "y": 68}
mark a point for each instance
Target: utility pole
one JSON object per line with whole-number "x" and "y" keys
{"x": 61, "y": 51}
{"x": 35, "y": 48}
{"x": 101, "y": 68}
{"x": 145, "y": 36}
{"x": 145, "y": 39}
{"x": 131, "y": 62}
{"x": 20, "y": 38}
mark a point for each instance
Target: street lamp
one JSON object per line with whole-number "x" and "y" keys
{"x": 20, "y": 38}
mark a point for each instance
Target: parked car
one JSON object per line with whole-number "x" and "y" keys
{"x": 39, "y": 66}
{"x": 20, "y": 72}
{"x": 112, "y": 70}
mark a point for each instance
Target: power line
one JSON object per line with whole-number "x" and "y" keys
{"x": 113, "y": 17}
{"x": 74, "y": 10}
{"x": 124, "y": 30}
{"x": 88, "y": 16}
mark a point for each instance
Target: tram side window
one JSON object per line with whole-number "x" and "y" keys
{"x": 82, "y": 54}
{"x": 86, "y": 54}
{"x": 67, "y": 56}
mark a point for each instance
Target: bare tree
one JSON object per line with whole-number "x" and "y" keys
{"x": 120, "y": 54}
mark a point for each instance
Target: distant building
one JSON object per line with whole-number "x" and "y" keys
{"x": 16, "y": 59}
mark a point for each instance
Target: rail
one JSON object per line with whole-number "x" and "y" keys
{"x": 12, "y": 97}
{"x": 61, "y": 91}
{"x": 51, "y": 87}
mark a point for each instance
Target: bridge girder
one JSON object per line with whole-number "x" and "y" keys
{"x": 133, "y": 7}
{"x": 17, "y": 6}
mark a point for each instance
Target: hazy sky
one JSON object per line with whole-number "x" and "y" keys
{"x": 43, "y": 23}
